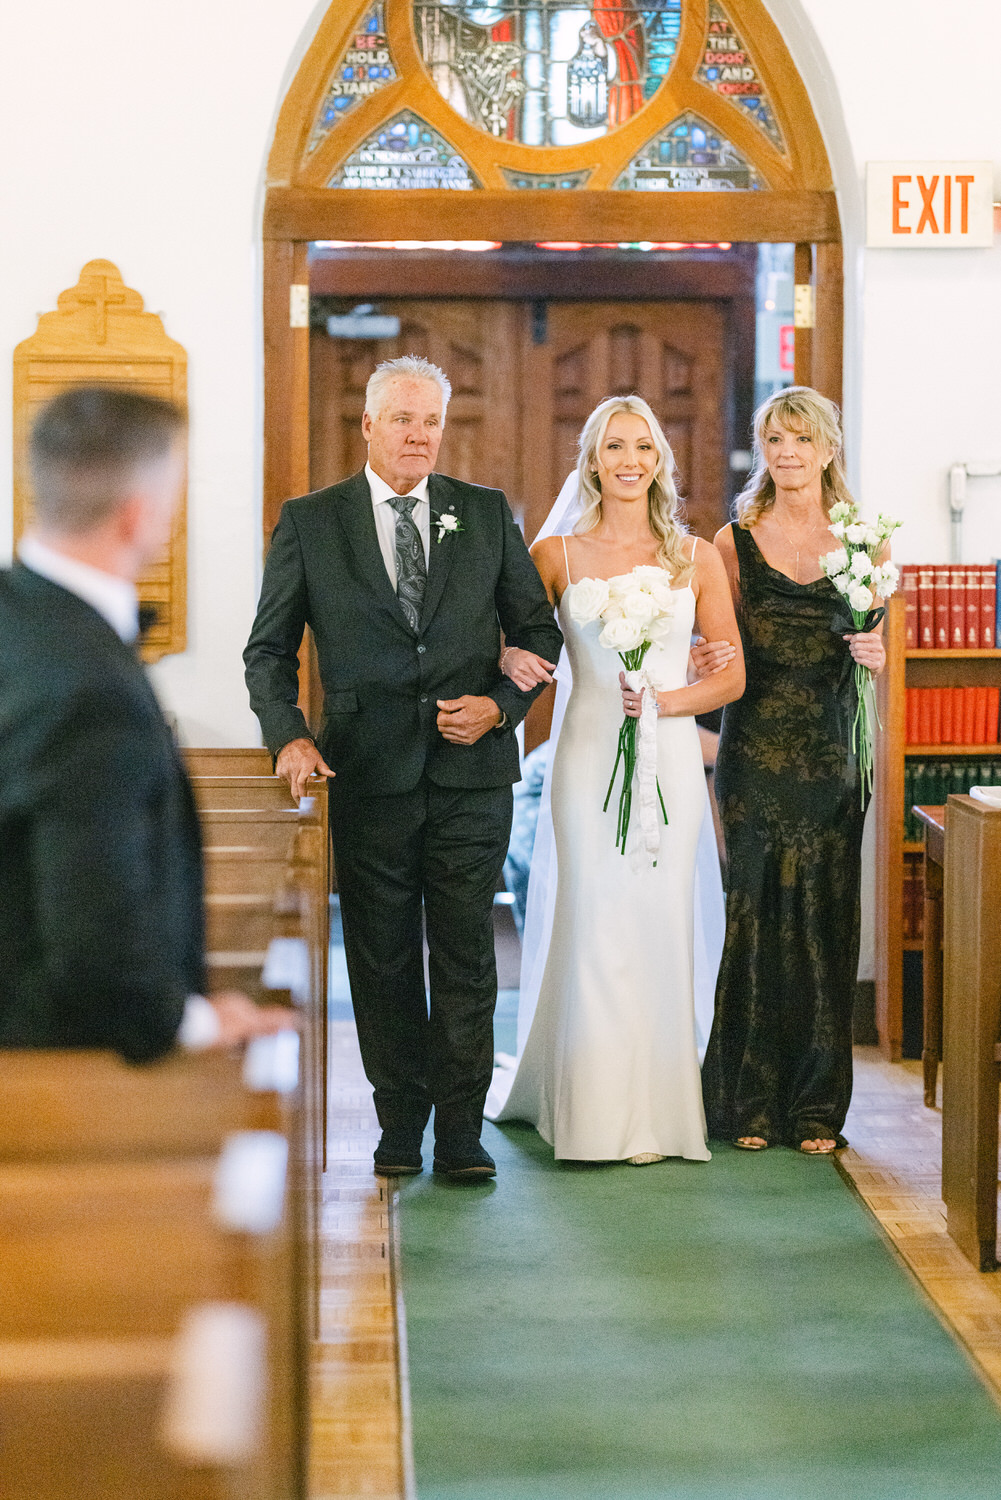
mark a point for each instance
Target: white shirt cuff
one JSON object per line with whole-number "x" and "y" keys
{"x": 200, "y": 1026}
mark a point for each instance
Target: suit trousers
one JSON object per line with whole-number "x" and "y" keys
{"x": 441, "y": 849}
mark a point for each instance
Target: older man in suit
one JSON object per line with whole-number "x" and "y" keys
{"x": 407, "y": 579}
{"x": 101, "y": 923}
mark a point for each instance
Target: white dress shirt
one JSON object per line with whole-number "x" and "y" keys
{"x": 116, "y": 600}
{"x": 385, "y": 517}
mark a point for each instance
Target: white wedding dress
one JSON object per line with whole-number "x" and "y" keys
{"x": 610, "y": 1069}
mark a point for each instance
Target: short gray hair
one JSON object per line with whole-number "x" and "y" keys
{"x": 86, "y": 448}
{"x": 406, "y": 367}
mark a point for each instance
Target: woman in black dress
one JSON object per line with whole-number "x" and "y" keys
{"x": 779, "y": 1065}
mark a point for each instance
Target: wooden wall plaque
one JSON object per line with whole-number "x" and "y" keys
{"x": 100, "y": 334}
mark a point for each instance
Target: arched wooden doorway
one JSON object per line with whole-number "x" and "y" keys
{"x": 599, "y": 121}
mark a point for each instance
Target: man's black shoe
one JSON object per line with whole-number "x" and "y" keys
{"x": 398, "y": 1154}
{"x": 463, "y": 1161}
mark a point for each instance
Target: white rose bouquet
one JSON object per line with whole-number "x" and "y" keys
{"x": 859, "y": 579}
{"x": 636, "y": 610}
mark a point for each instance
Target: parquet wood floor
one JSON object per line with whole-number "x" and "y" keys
{"x": 895, "y": 1162}
{"x": 357, "y": 1423}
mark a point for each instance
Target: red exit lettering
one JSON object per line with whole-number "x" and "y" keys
{"x": 936, "y": 202}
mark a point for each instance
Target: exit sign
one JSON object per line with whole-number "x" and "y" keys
{"x": 922, "y": 205}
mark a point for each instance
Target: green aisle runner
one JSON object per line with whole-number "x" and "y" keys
{"x": 729, "y": 1331}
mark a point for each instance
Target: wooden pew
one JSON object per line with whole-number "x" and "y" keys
{"x": 77, "y": 1105}
{"x": 228, "y": 762}
{"x": 933, "y": 819}
{"x": 116, "y": 1225}
{"x": 255, "y": 861}
{"x": 971, "y": 1027}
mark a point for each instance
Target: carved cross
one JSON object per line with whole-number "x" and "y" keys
{"x": 101, "y": 297}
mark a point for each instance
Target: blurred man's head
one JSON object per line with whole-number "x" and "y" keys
{"x": 107, "y": 469}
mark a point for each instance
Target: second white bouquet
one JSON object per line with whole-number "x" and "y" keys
{"x": 636, "y": 610}
{"x": 860, "y": 580}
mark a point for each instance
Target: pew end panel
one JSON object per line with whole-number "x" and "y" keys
{"x": 971, "y": 1021}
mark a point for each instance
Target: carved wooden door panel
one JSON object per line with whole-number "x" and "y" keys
{"x": 673, "y": 354}
{"x": 475, "y": 342}
{"x": 525, "y": 376}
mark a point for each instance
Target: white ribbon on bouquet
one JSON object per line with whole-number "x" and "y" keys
{"x": 647, "y": 845}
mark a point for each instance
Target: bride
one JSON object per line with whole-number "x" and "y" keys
{"x": 608, "y": 1067}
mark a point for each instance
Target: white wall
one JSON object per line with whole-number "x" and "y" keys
{"x": 923, "y": 355}
{"x": 140, "y": 133}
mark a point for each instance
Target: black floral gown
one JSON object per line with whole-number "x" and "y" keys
{"x": 779, "y": 1063}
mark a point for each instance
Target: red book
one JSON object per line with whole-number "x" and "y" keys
{"x": 909, "y": 586}
{"x": 943, "y": 600}
{"x": 957, "y": 608}
{"x": 988, "y": 601}
{"x": 948, "y": 716}
{"x": 923, "y": 696}
{"x": 980, "y": 721}
{"x": 926, "y": 608}
{"x": 969, "y": 716}
{"x": 935, "y": 694}
{"x": 971, "y": 635}
{"x": 993, "y": 706}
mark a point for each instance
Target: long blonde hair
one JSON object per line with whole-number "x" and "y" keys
{"x": 663, "y": 504}
{"x": 797, "y": 408}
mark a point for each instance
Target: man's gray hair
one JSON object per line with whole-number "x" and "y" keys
{"x": 407, "y": 367}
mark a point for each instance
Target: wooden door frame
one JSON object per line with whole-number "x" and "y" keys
{"x": 796, "y": 203}
{"x": 818, "y": 350}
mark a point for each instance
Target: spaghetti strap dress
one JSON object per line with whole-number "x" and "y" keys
{"x": 779, "y": 1062}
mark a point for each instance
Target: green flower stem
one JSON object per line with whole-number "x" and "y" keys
{"x": 626, "y": 753}
{"x": 866, "y": 714}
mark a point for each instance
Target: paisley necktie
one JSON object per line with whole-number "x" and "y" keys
{"x": 411, "y": 569}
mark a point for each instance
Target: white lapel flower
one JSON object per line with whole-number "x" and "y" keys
{"x": 448, "y": 524}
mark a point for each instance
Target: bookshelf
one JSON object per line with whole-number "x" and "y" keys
{"x": 904, "y": 669}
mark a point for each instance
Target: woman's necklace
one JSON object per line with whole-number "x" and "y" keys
{"x": 793, "y": 546}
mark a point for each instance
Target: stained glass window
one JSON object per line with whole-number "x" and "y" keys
{"x": 548, "y": 72}
{"x": 404, "y": 153}
{"x": 727, "y": 68}
{"x": 536, "y": 180}
{"x": 366, "y": 67}
{"x": 689, "y": 156}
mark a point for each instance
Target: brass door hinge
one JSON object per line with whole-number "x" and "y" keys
{"x": 298, "y": 305}
{"x": 804, "y": 305}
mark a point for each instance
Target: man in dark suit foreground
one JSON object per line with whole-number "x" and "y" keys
{"x": 101, "y": 924}
{"x": 407, "y": 578}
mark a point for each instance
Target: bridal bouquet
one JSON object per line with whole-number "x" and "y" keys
{"x": 636, "y": 610}
{"x": 858, "y": 578}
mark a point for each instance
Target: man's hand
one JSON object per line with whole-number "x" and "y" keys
{"x": 706, "y": 658}
{"x": 240, "y": 1019}
{"x": 463, "y": 721}
{"x": 525, "y": 669}
{"x": 297, "y": 761}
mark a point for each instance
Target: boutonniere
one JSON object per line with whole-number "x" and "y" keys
{"x": 448, "y": 523}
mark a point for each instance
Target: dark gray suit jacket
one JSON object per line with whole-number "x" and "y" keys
{"x": 101, "y": 928}
{"x": 381, "y": 679}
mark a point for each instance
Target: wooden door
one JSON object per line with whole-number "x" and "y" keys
{"x": 671, "y": 353}
{"x": 525, "y": 375}
{"x": 475, "y": 342}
